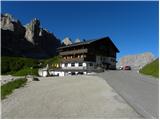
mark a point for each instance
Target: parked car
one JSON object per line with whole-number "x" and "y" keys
{"x": 120, "y": 68}
{"x": 127, "y": 68}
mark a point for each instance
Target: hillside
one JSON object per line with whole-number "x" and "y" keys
{"x": 20, "y": 66}
{"x": 151, "y": 68}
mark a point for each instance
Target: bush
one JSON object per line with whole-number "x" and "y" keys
{"x": 5, "y": 67}
{"x": 31, "y": 63}
{"x": 26, "y": 71}
{"x": 16, "y": 65}
{"x": 51, "y": 61}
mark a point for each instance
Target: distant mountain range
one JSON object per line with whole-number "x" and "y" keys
{"x": 27, "y": 41}
{"x": 136, "y": 61}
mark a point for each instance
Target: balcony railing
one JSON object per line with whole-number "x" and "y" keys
{"x": 73, "y": 60}
{"x": 74, "y": 52}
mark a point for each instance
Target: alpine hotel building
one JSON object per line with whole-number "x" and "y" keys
{"x": 88, "y": 56}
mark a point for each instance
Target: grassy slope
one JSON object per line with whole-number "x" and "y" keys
{"x": 8, "y": 88}
{"x": 151, "y": 69}
{"x": 19, "y": 66}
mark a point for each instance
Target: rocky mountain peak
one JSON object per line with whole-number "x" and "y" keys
{"x": 32, "y": 30}
{"x": 136, "y": 61}
{"x": 67, "y": 41}
{"x": 77, "y": 40}
{"x": 9, "y": 17}
{"x": 8, "y": 22}
{"x": 30, "y": 40}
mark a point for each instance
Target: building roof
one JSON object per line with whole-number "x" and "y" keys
{"x": 88, "y": 42}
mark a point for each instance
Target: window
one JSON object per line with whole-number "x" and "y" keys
{"x": 101, "y": 58}
{"x": 65, "y": 64}
{"x": 81, "y": 56}
{"x": 80, "y": 64}
{"x": 72, "y": 64}
{"x": 113, "y": 60}
{"x": 90, "y": 64}
{"x": 84, "y": 64}
{"x": 102, "y": 47}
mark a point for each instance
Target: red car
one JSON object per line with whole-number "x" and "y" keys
{"x": 127, "y": 68}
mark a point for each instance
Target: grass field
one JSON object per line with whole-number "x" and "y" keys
{"x": 151, "y": 69}
{"x": 8, "y": 88}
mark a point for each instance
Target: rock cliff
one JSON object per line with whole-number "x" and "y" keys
{"x": 77, "y": 40}
{"x": 28, "y": 41}
{"x": 67, "y": 41}
{"x": 136, "y": 61}
{"x": 32, "y": 31}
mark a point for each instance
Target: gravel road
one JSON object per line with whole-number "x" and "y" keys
{"x": 66, "y": 97}
{"x": 140, "y": 91}
{"x": 7, "y": 78}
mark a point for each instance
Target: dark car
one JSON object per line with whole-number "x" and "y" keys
{"x": 127, "y": 68}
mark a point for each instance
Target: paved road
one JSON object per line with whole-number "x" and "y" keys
{"x": 67, "y": 97}
{"x": 141, "y": 92}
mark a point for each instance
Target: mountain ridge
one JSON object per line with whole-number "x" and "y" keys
{"x": 137, "y": 60}
{"x": 27, "y": 41}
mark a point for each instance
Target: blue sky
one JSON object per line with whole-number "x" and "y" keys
{"x": 132, "y": 26}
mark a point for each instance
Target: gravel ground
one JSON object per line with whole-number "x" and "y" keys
{"x": 66, "y": 97}
{"x": 7, "y": 78}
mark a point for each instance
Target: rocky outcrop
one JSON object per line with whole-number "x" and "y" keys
{"x": 136, "y": 61}
{"x": 77, "y": 40}
{"x": 8, "y": 22}
{"x": 32, "y": 31}
{"x": 67, "y": 41}
{"x": 29, "y": 41}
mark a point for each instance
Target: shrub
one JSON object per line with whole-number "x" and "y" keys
{"x": 51, "y": 61}
{"x": 5, "y": 67}
{"x": 26, "y": 71}
{"x": 16, "y": 65}
{"x": 30, "y": 63}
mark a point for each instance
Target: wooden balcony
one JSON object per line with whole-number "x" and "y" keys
{"x": 73, "y": 52}
{"x": 73, "y": 60}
